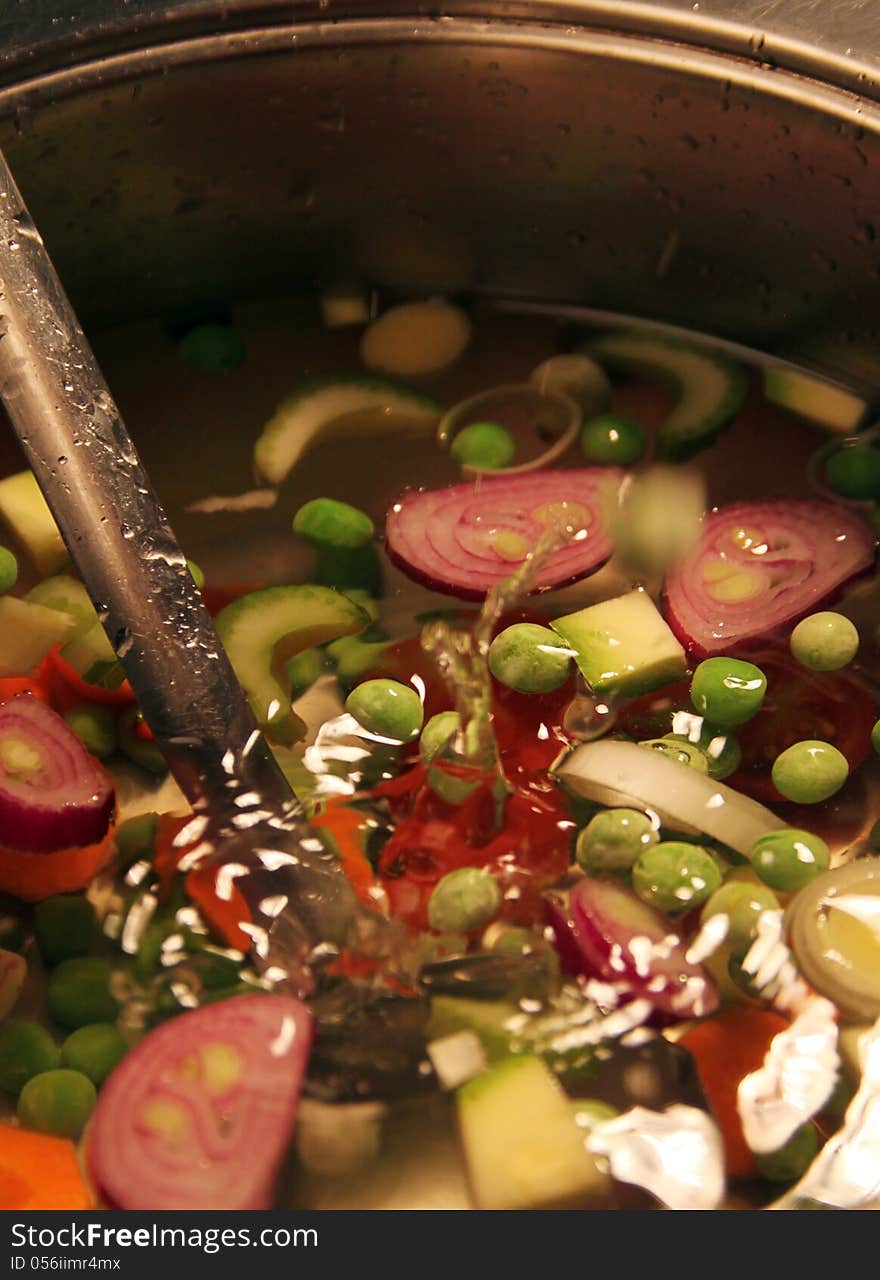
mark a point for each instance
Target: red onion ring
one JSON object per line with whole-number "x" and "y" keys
{"x": 465, "y": 539}
{"x": 797, "y": 552}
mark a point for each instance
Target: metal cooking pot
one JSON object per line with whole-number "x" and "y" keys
{"x": 671, "y": 160}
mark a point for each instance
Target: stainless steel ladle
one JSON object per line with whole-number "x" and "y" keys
{"x": 125, "y": 551}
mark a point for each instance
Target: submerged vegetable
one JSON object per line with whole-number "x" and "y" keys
{"x": 336, "y": 407}
{"x": 27, "y": 513}
{"x": 789, "y": 859}
{"x": 611, "y": 440}
{"x": 711, "y": 388}
{"x": 463, "y": 540}
{"x": 622, "y": 645}
{"x": 809, "y": 772}
{"x": 675, "y": 876}
{"x": 613, "y": 840}
{"x": 199, "y": 1114}
{"x": 416, "y": 338}
{"x": 529, "y": 658}
{"x": 728, "y": 691}
{"x": 386, "y": 708}
{"x": 8, "y": 569}
{"x": 609, "y": 933}
{"x": 760, "y": 565}
{"x": 256, "y": 627}
{"x": 57, "y": 1102}
{"x": 834, "y": 936}
{"x": 463, "y": 900}
{"x": 824, "y": 641}
{"x": 324, "y": 522}
{"x": 52, "y": 792}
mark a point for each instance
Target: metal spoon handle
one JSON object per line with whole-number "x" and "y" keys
{"x": 115, "y": 530}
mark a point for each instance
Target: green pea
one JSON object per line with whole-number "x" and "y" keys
{"x": 614, "y": 839}
{"x": 78, "y": 992}
{"x": 64, "y": 927}
{"x": 438, "y": 733}
{"x": 324, "y": 522}
{"x": 728, "y": 691}
{"x": 463, "y": 900}
{"x": 8, "y": 569}
{"x": 680, "y": 750}
{"x": 148, "y": 958}
{"x": 196, "y": 574}
{"x": 95, "y": 726}
{"x": 57, "y": 1102}
{"x": 789, "y": 859}
{"x": 94, "y": 1050}
{"x": 136, "y": 838}
{"x": 386, "y": 708}
{"x": 346, "y": 570}
{"x": 611, "y": 440}
{"x": 793, "y": 1159}
{"x": 674, "y": 876}
{"x": 486, "y": 445}
{"x": 212, "y": 348}
{"x": 809, "y": 772}
{"x": 853, "y": 471}
{"x": 743, "y": 904}
{"x": 530, "y": 658}
{"x": 303, "y": 670}
{"x": 824, "y": 641}
{"x": 26, "y": 1049}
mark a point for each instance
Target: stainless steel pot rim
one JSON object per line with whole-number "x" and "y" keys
{"x": 579, "y": 42}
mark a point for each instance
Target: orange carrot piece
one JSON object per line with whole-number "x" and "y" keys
{"x": 12, "y": 685}
{"x": 34, "y": 876}
{"x": 225, "y": 915}
{"x": 726, "y": 1048}
{"x": 40, "y": 1172}
{"x": 345, "y": 827}
{"x": 67, "y": 688}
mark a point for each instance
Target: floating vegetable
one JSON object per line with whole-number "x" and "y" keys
{"x": 199, "y": 1114}
{"x": 675, "y": 876}
{"x": 256, "y": 628}
{"x": 611, "y": 440}
{"x": 609, "y": 933}
{"x": 53, "y": 794}
{"x": 624, "y": 773}
{"x": 530, "y": 658}
{"x": 416, "y": 338}
{"x": 815, "y": 398}
{"x": 324, "y": 522}
{"x": 711, "y": 389}
{"x": 809, "y": 772}
{"x": 614, "y": 839}
{"x": 759, "y": 566}
{"x": 387, "y": 708}
{"x": 623, "y": 645}
{"x": 27, "y": 633}
{"x": 335, "y": 407}
{"x": 212, "y": 348}
{"x": 463, "y": 541}
{"x": 544, "y": 414}
{"x": 728, "y": 691}
{"x": 824, "y": 641}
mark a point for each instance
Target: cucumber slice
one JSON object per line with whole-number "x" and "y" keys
{"x": 814, "y": 398}
{"x": 91, "y": 649}
{"x": 25, "y": 510}
{"x": 710, "y": 387}
{"x": 623, "y": 645}
{"x": 521, "y": 1141}
{"x": 27, "y": 633}
{"x": 262, "y": 630}
{"x": 333, "y": 407}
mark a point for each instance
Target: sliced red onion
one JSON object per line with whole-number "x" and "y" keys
{"x": 609, "y": 933}
{"x": 200, "y": 1114}
{"x": 759, "y": 566}
{"x": 465, "y": 539}
{"x": 53, "y": 794}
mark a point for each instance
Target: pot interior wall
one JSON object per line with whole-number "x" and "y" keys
{"x": 587, "y": 169}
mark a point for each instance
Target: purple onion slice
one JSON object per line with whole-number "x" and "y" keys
{"x": 760, "y": 566}
{"x": 53, "y": 794}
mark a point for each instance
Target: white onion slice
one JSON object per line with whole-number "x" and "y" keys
{"x": 623, "y": 773}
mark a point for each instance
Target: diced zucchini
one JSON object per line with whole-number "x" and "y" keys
{"x": 710, "y": 387}
{"x": 521, "y": 1142}
{"x": 490, "y": 1020}
{"x": 67, "y": 595}
{"x": 91, "y": 649}
{"x": 260, "y": 631}
{"x": 815, "y": 398}
{"x": 27, "y": 633}
{"x": 335, "y": 407}
{"x": 623, "y": 645}
{"x": 25, "y": 510}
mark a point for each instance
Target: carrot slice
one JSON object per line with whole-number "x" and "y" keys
{"x": 34, "y": 876}
{"x": 345, "y": 827}
{"x": 225, "y": 914}
{"x": 10, "y": 686}
{"x": 68, "y": 689}
{"x": 40, "y": 1172}
{"x": 724, "y": 1049}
